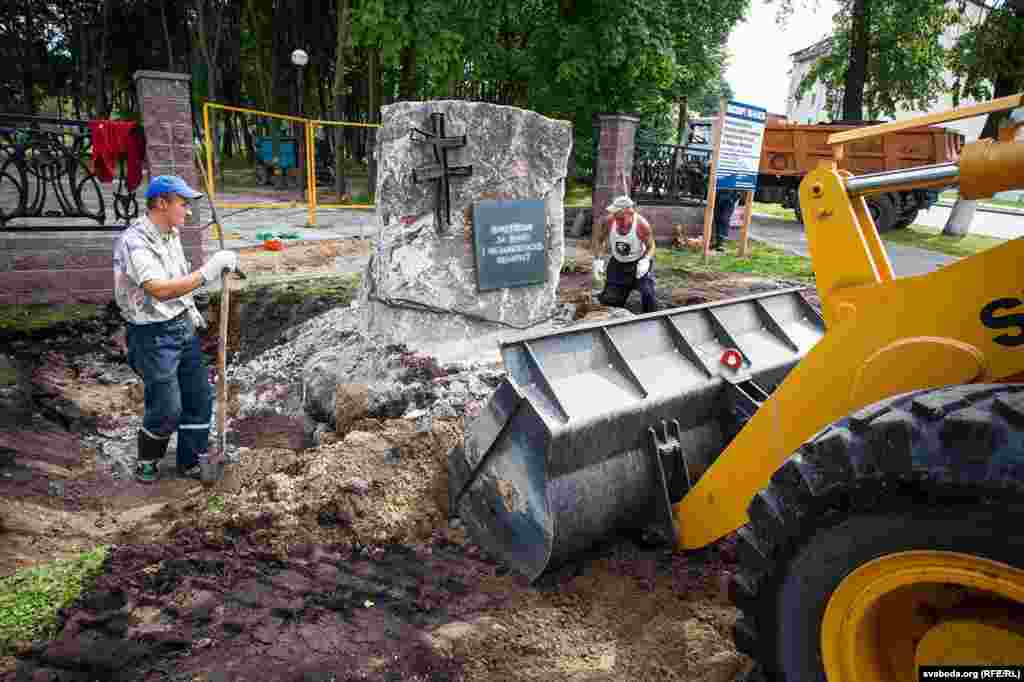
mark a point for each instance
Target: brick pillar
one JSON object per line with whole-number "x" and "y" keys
{"x": 614, "y": 158}
{"x": 165, "y": 100}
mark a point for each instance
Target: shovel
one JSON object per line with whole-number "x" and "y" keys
{"x": 209, "y": 471}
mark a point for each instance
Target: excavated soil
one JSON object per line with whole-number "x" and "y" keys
{"x": 337, "y": 562}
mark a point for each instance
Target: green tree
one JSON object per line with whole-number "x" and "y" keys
{"x": 987, "y": 60}
{"x": 883, "y": 55}
{"x": 706, "y": 101}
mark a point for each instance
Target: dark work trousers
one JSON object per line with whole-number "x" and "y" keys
{"x": 167, "y": 357}
{"x": 620, "y": 280}
{"x": 725, "y": 204}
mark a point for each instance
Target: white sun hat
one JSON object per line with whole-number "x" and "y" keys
{"x": 620, "y": 203}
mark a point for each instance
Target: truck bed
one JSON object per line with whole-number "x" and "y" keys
{"x": 793, "y": 149}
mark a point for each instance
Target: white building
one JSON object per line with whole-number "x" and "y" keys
{"x": 813, "y": 107}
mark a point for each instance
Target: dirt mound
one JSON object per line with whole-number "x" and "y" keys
{"x": 384, "y": 483}
{"x": 338, "y": 562}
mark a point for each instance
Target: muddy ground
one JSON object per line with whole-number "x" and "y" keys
{"x": 336, "y": 562}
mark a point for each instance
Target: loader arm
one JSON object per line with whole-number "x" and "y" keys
{"x": 961, "y": 324}
{"x": 675, "y": 420}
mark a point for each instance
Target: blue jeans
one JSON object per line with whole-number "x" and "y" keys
{"x": 167, "y": 357}
{"x": 621, "y": 279}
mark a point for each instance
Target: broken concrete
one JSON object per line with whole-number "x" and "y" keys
{"x": 420, "y": 286}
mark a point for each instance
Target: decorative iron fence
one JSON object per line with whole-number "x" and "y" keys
{"x": 45, "y": 172}
{"x": 671, "y": 174}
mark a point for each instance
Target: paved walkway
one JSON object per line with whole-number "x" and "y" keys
{"x": 789, "y": 235}
{"x": 242, "y": 225}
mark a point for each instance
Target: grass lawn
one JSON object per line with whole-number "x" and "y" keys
{"x": 577, "y": 194}
{"x": 30, "y": 599}
{"x": 762, "y": 260}
{"x": 932, "y": 239}
{"x": 775, "y": 210}
{"x": 1003, "y": 203}
{"x": 28, "y": 318}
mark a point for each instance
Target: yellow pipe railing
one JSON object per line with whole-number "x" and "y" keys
{"x": 309, "y": 135}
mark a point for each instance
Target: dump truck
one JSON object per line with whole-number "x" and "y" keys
{"x": 790, "y": 151}
{"x": 869, "y": 458}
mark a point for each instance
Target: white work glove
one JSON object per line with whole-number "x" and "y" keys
{"x": 220, "y": 261}
{"x": 643, "y": 266}
{"x": 598, "y": 267}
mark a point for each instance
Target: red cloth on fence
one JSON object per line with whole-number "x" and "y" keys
{"x": 111, "y": 139}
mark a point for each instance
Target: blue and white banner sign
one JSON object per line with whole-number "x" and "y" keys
{"x": 739, "y": 151}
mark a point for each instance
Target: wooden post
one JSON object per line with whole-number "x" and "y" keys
{"x": 709, "y": 208}
{"x": 748, "y": 202}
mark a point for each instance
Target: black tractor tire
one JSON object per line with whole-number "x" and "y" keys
{"x": 907, "y": 218}
{"x": 939, "y": 469}
{"x": 883, "y": 209}
{"x": 798, "y": 212}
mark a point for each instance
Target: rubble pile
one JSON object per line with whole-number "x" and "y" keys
{"x": 327, "y": 357}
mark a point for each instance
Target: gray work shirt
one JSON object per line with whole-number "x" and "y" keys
{"x": 141, "y": 253}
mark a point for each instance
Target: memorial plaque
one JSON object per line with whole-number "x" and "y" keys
{"x": 510, "y": 238}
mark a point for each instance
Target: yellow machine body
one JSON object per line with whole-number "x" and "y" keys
{"x": 559, "y": 456}
{"x": 961, "y": 324}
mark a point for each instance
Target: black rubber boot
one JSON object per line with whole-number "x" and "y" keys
{"x": 151, "y": 451}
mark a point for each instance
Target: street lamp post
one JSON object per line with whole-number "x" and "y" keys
{"x": 300, "y": 58}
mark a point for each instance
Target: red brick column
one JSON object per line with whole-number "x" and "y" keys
{"x": 614, "y": 159}
{"x": 165, "y": 102}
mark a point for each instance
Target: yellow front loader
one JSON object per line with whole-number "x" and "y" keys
{"x": 871, "y": 458}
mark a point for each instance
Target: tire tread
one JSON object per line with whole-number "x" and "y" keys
{"x": 937, "y": 446}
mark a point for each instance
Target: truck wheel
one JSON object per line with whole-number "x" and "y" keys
{"x": 906, "y": 219}
{"x": 894, "y": 533}
{"x": 883, "y": 211}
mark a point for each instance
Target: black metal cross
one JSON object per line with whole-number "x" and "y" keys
{"x": 439, "y": 172}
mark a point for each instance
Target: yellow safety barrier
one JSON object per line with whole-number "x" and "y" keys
{"x": 309, "y": 133}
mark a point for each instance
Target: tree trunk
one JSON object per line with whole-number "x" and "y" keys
{"x": 1004, "y": 86}
{"x": 371, "y": 136}
{"x": 210, "y": 50}
{"x": 407, "y": 84}
{"x": 264, "y": 72}
{"x": 856, "y": 75}
{"x": 28, "y": 63}
{"x": 102, "y": 106}
{"x": 81, "y": 68}
{"x": 677, "y": 155}
{"x": 684, "y": 121}
{"x": 339, "y": 91}
{"x": 960, "y": 218}
{"x": 167, "y": 37}
{"x": 959, "y": 222}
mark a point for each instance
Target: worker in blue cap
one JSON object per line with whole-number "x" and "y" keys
{"x": 153, "y": 288}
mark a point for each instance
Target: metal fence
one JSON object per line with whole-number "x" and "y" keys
{"x": 289, "y": 154}
{"x": 46, "y": 173}
{"x": 670, "y": 174}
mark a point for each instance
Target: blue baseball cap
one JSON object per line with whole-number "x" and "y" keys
{"x": 170, "y": 184}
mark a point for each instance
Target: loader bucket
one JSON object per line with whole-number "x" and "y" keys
{"x": 570, "y": 447}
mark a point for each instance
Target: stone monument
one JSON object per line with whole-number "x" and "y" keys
{"x": 440, "y": 165}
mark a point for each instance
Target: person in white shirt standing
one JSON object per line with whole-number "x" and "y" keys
{"x": 630, "y": 239}
{"x": 153, "y": 287}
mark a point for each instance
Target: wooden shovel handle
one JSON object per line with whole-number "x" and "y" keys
{"x": 222, "y": 380}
